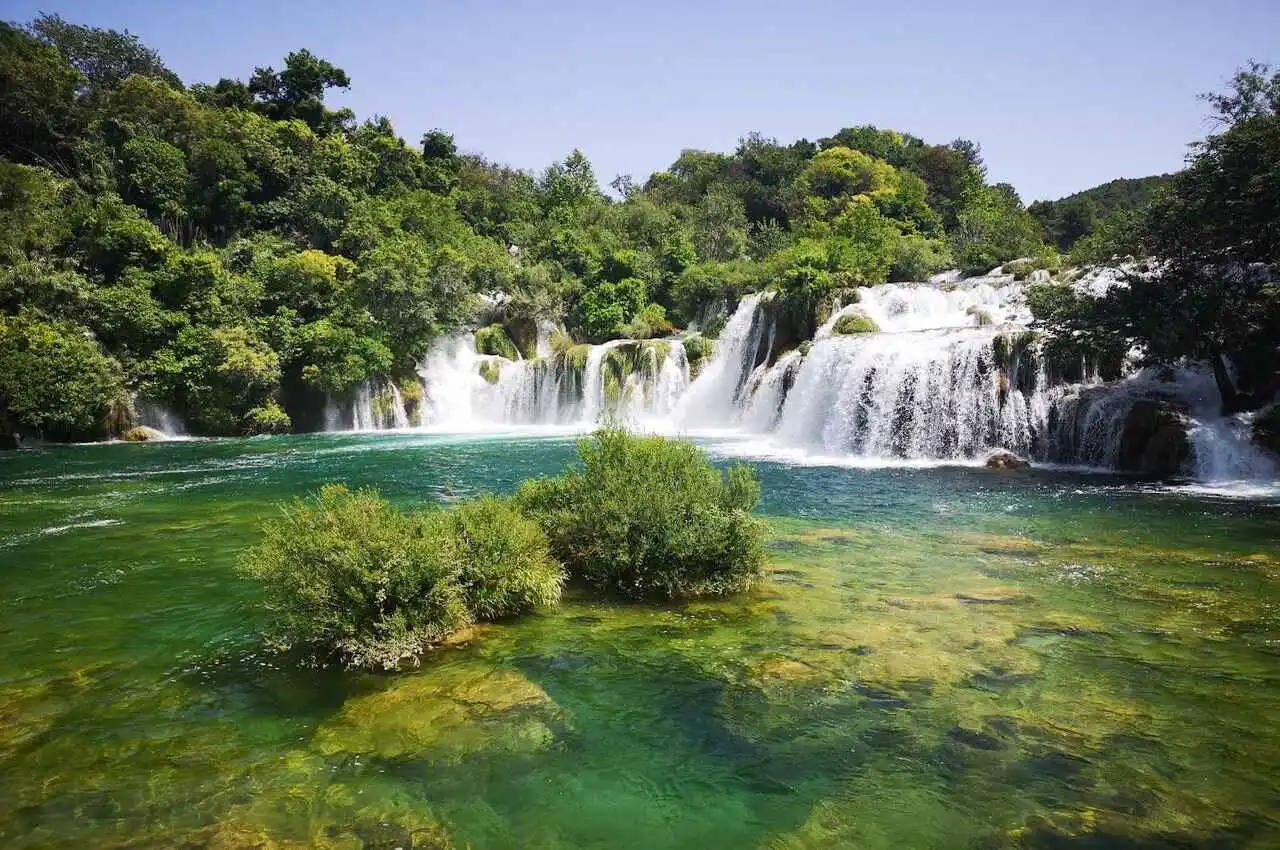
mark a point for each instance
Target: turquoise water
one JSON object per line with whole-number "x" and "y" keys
{"x": 938, "y": 658}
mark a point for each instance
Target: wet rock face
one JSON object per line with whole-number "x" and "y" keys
{"x": 1002, "y": 459}
{"x": 1266, "y": 429}
{"x": 1154, "y": 440}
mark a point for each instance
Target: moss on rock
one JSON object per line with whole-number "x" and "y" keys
{"x": 490, "y": 370}
{"x": 494, "y": 340}
{"x": 854, "y": 323}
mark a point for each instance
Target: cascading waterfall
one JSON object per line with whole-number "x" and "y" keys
{"x": 714, "y": 399}
{"x": 950, "y": 375}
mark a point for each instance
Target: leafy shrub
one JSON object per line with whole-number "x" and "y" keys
{"x": 560, "y": 341}
{"x": 854, "y": 323}
{"x": 650, "y": 517}
{"x": 54, "y": 379}
{"x": 649, "y": 323}
{"x": 267, "y": 419}
{"x": 507, "y": 568}
{"x": 349, "y": 576}
{"x": 697, "y": 350}
{"x": 494, "y": 340}
{"x": 1019, "y": 268}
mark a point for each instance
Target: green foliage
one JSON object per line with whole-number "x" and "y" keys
{"x": 350, "y": 577}
{"x": 993, "y": 228}
{"x": 105, "y": 57}
{"x": 298, "y": 92}
{"x": 650, "y": 517}
{"x": 507, "y": 568}
{"x": 854, "y": 323}
{"x": 267, "y": 419}
{"x": 713, "y": 285}
{"x": 54, "y": 380}
{"x": 604, "y": 310}
{"x": 494, "y": 340}
{"x": 214, "y": 377}
{"x": 1019, "y": 268}
{"x": 1074, "y": 218}
{"x": 697, "y": 350}
{"x": 916, "y": 257}
{"x": 650, "y": 322}
{"x": 490, "y": 370}
{"x": 1214, "y": 232}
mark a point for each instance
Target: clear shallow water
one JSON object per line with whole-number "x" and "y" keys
{"x": 940, "y": 658}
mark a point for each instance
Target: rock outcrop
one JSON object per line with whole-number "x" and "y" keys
{"x": 1154, "y": 440}
{"x": 143, "y": 434}
{"x": 1002, "y": 459}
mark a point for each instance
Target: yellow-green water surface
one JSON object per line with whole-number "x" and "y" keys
{"x": 939, "y": 658}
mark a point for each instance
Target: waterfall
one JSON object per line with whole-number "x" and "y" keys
{"x": 951, "y": 374}
{"x": 152, "y": 415}
{"x": 593, "y": 400}
{"x": 712, "y": 400}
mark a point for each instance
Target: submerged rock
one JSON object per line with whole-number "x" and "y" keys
{"x": 1154, "y": 440}
{"x": 143, "y": 434}
{"x": 1004, "y": 459}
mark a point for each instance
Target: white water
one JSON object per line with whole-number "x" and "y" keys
{"x": 926, "y": 389}
{"x": 157, "y": 416}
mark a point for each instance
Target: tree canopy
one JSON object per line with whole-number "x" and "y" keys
{"x": 242, "y": 252}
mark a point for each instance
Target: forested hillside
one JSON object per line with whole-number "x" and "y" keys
{"x": 239, "y": 252}
{"x": 1068, "y": 220}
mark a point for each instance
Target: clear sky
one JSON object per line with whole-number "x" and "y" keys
{"x": 1061, "y": 94}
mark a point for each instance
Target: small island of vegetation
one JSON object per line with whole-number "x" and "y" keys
{"x": 350, "y": 577}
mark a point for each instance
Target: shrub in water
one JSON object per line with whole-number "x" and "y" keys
{"x": 507, "y": 567}
{"x": 650, "y": 517}
{"x": 350, "y": 576}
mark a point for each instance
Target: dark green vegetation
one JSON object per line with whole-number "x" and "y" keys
{"x": 1212, "y": 293}
{"x": 1068, "y": 220}
{"x": 349, "y": 575}
{"x": 933, "y": 659}
{"x": 650, "y": 517}
{"x": 238, "y": 252}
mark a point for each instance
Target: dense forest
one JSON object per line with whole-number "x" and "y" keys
{"x": 239, "y": 253}
{"x": 1068, "y": 220}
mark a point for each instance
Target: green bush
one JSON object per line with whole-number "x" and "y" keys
{"x": 650, "y": 517}
{"x": 494, "y": 340}
{"x": 854, "y": 323}
{"x": 54, "y": 379}
{"x": 349, "y": 577}
{"x": 650, "y": 322}
{"x": 267, "y": 419}
{"x": 697, "y": 351}
{"x": 1019, "y": 268}
{"x": 507, "y": 568}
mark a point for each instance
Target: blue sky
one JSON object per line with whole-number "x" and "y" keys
{"x": 1061, "y": 94}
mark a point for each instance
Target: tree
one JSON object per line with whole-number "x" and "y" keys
{"x": 440, "y": 162}
{"x": 298, "y": 92}
{"x": 1214, "y": 234}
{"x": 39, "y": 113}
{"x": 54, "y": 380}
{"x": 105, "y": 57}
